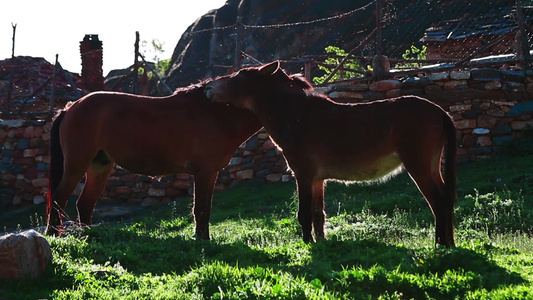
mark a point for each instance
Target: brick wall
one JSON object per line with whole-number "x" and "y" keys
{"x": 490, "y": 107}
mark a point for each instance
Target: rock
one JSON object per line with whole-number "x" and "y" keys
{"x": 460, "y": 75}
{"x": 481, "y": 131}
{"x": 153, "y": 192}
{"x": 235, "y": 161}
{"x": 415, "y": 82}
{"x": 511, "y": 75}
{"x": 469, "y": 141}
{"x": 38, "y": 199}
{"x": 484, "y": 141}
{"x": 123, "y": 190}
{"x": 521, "y": 109}
{"x": 350, "y": 87}
{"x": 17, "y": 200}
{"x": 522, "y": 125}
{"x": 345, "y": 95}
{"x": 464, "y": 124}
{"x": 529, "y": 88}
{"x": 12, "y": 123}
{"x": 23, "y": 255}
{"x": 516, "y": 86}
{"x": 286, "y": 178}
{"x": 29, "y": 153}
{"x": 40, "y": 182}
{"x": 460, "y": 107}
{"x": 149, "y": 202}
{"x": 493, "y": 85}
{"x": 262, "y": 135}
{"x": 269, "y": 145}
{"x": 502, "y": 140}
{"x": 438, "y": 76}
{"x": 486, "y": 74}
{"x": 274, "y": 177}
{"x": 486, "y": 121}
{"x": 456, "y": 84}
{"x": 252, "y": 143}
{"x": 245, "y": 174}
{"x": 495, "y": 113}
{"x": 385, "y": 85}
{"x": 23, "y": 144}
{"x": 394, "y": 93}
{"x": 501, "y": 129}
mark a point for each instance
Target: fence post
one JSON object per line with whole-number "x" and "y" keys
{"x": 378, "y": 59}
{"x": 136, "y": 64}
{"x": 10, "y": 86}
{"x": 307, "y": 70}
{"x": 52, "y": 96}
{"x": 238, "y": 31}
{"x": 13, "y": 46}
{"x": 521, "y": 39}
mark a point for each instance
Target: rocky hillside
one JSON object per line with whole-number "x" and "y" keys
{"x": 200, "y": 55}
{"x": 204, "y": 48}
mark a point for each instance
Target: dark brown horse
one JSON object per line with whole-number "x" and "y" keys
{"x": 181, "y": 133}
{"x": 324, "y": 140}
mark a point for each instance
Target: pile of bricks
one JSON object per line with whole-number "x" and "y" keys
{"x": 27, "y": 76}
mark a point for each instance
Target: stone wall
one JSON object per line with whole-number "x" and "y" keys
{"x": 490, "y": 107}
{"x": 25, "y": 164}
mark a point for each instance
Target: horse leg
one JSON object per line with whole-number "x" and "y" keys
{"x": 204, "y": 185}
{"x": 430, "y": 183}
{"x": 319, "y": 215}
{"x": 95, "y": 181}
{"x": 305, "y": 202}
{"x": 66, "y": 186}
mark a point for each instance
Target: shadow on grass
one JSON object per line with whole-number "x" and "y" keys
{"x": 369, "y": 267}
{"x": 139, "y": 253}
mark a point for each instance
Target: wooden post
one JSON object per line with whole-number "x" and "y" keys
{"x": 238, "y": 31}
{"x": 378, "y": 63}
{"x": 307, "y": 70}
{"x": 10, "y": 87}
{"x": 52, "y": 96}
{"x": 13, "y": 46}
{"x": 522, "y": 42}
{"x": 136, "y": 65}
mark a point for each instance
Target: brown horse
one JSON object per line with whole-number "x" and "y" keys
{"x": 324, "y": 140}
{"x": 181, "y": 133}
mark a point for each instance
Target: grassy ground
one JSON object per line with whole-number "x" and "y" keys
{"x": 380, "y": 245}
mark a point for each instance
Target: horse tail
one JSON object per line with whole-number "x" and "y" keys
{"x": 56, "y": 160}
{"x": 450, "y": 164}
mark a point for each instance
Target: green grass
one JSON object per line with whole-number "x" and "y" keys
{"x": 380, "y": 246}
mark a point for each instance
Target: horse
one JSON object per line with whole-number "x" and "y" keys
{"x": 181, "y": 133}
{"x": 322, "y": 140}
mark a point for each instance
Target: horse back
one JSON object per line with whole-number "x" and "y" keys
{"x": 166, "y": 134}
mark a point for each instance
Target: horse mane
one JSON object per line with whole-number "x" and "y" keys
{"x": 192, "y": 87}
{"x": 300, "y": 80}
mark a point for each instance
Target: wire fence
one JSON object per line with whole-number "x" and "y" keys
{"x": 408, "y": 34}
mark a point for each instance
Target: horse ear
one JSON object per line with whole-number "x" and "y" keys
{"x": 270, "y": 68}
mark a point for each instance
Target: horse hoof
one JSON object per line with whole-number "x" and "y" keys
{"x": 201, "y": 236}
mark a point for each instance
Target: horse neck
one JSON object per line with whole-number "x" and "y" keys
{"x": 282, "y": 115}
{"x": 241, "y": 122}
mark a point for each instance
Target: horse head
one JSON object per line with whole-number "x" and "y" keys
{"x": 239, "y": 89}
